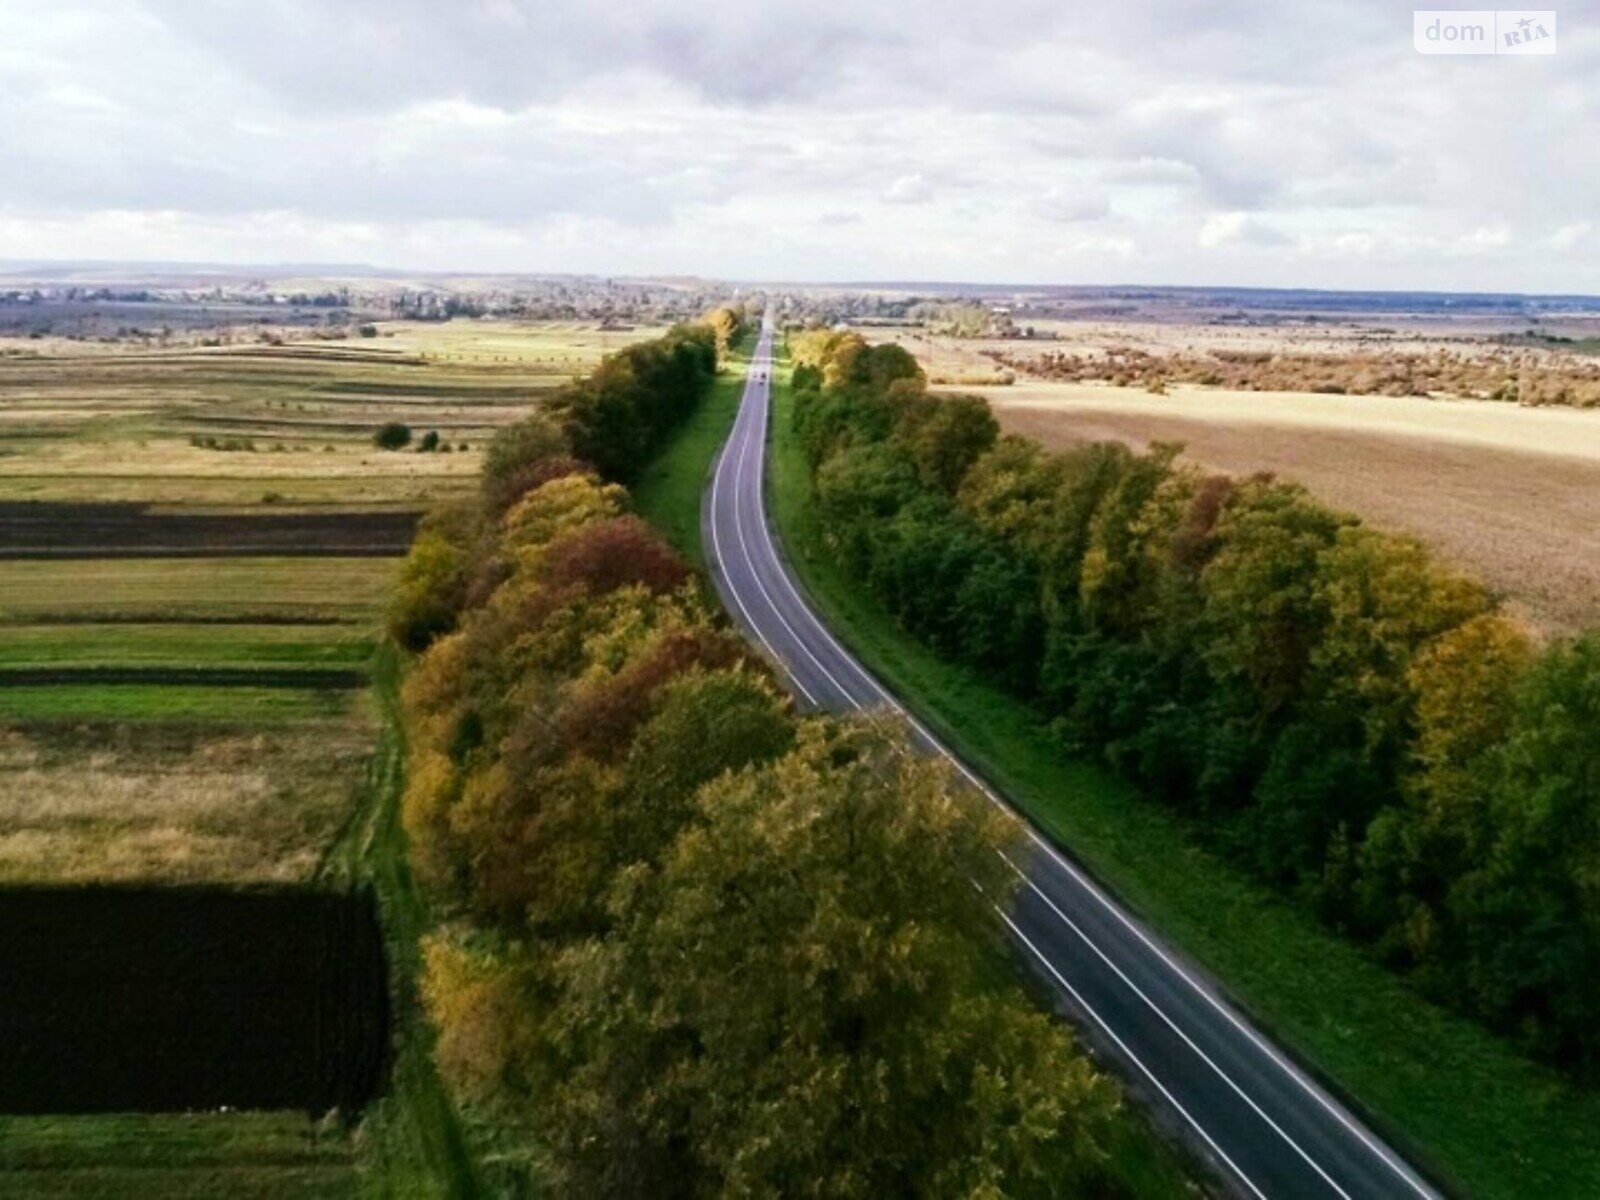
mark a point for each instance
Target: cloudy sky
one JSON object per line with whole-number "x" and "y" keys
{"x": 1295, "y": 144}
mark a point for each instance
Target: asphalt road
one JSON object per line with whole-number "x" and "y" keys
{"x": 1268, "y": 1129}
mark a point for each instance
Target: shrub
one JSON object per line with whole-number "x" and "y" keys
{"x": 392, "y": 436}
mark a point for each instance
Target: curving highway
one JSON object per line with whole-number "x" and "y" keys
{"x": 1268, "y": 1129}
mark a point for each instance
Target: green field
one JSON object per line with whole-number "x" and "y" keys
{"x": 1442, "y": 1088}
{"x": 129, "y": 643}
{"x": 409, "y": 1142}
{"x": 168, "y": 702}
{"x": 245, "y": 1156}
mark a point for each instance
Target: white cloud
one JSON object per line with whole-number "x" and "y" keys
{"x": 1166, "y": 143}
{"x": 1485, "y": 238}
{"x": 1571, "y": 236}
{"x": 1240, "y": 229}
{"x": 1071, "y": 205}
{"x": 909, "y": 189}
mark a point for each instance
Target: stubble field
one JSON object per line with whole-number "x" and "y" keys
{"x": 1510, "y": 493}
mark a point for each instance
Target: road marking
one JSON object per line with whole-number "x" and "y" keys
{"x": 716, "y": 545}
{"x": 1289, "y": 1068}
{"x": 755, "y": 575}
{"x": 754, "y": 431}
{"x": 1134, "y": 1058}
{"x": 1276, "y": 1057}
{"x": 1171, "y": 1024}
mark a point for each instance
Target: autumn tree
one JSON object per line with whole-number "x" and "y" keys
{"x": 833, "y": 1037}
{"x": 516, "y": 455}
{"x": 1465, "y": 684}
{"x": 434, "y": 578}
{"x": 725, "y": 324}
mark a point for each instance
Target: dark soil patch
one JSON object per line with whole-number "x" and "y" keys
{"x": 44, "y": 530}
{"x": 326, "y": 678}
{"x": 122, "y": 999}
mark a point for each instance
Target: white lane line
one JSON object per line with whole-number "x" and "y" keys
{"x": 1132, "y": 1057}
{"x": 755, "y": 575}
{"x": 757, "y": 435}
{"x": 1294, "y": 1073}
{"x": 716, "y": 545}
{"x": 1330, "y": 1106}
{"x": 850, "y": 698}
{"x": 1171, "y": 1024}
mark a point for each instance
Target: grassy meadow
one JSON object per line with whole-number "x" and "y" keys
{"x": 306, "y": 591}
{"x": 225, "y": 716}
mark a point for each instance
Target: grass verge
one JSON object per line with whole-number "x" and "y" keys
{"x": 1462, "y": 1103}
{"x": 413, "y": 1143}
{"x": 668, "y": 493}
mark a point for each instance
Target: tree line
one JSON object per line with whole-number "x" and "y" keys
{"x": 697, "y": 944}
{"x": 1351, "y": 720}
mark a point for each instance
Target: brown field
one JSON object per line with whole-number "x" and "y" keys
{"x": 175, "y": 804}
{"x": 1512, "y": 494}
{"x": 32, "y": 591}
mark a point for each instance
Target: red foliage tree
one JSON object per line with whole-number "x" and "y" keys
{"x": 600, "y": 721}
{"x": 605, "y": 555}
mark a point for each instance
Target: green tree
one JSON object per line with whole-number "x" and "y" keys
{"x": 946, "y": 436}
{"x": 834, "y": 1037}
{"x": 1531, "y": 907}
{"x": 1011, "y": 492}
{"x": 1465, "y": 682}
{"x": 1264, "y": 609}
{"x": 861, "y": 486}
{"x": 706, "y": 724}
{"x": 1384, "y": 599}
